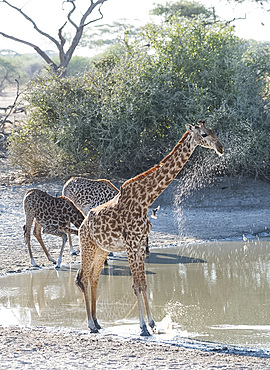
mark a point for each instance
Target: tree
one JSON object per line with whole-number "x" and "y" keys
{"x": 189, "y": 9}
{"x": 60, "y": 43}
{"x": 8, "y": 73}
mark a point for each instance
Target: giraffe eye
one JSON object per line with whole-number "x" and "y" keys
{"x": 204, "y": 134}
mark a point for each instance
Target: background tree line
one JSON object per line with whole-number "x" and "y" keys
{"x": 131, "y": 107}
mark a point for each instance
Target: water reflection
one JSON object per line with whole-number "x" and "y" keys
{"x": 212, "y": 291}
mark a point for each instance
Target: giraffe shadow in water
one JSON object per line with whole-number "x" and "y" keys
{"x": 170, "y": 259}
{"x": 153, "y": 258}
{"x": 116, "y": 270}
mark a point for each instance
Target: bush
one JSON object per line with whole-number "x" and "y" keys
{"x": 130, "y": 109}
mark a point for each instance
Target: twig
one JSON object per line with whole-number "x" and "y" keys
{"x": 11, "y": 107}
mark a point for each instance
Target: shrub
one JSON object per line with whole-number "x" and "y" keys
{"x": 130, "y": 109}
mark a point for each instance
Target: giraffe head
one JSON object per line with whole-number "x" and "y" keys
{"x": 205, "y": 137}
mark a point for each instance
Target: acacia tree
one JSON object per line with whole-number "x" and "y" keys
{"x": 60, "y": 43}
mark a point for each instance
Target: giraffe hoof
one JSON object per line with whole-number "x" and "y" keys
{"x": 144, "y": 331}
{"x": 95, "y": 330}
{"x": 152, "y": 324}
{"x": 97, "y": 324}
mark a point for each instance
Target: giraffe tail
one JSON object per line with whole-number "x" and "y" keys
{"x": 78, "y": 280}
{"x": 24, "y": 230}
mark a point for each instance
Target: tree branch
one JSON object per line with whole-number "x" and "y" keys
{"x": 82, "y": 25}
{"x": 33, "y": 23}
{"x": 64, "y": 56}
{"x": 11, "y": 107}
{"x": 97, "y": 19}
{"x": 70, "y": 13}
{"x": 37, "y": 49}
{"x": 89, "y": 11}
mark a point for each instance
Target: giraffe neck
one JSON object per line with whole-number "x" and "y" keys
{"x": 146, "y": 187}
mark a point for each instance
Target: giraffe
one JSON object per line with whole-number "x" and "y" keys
{"x": 86, "y": 194}
{"x": 121, "y": 223}
{"x": 53, "y": 215}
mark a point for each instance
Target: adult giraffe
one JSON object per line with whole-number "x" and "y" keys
{"x": 122, "y": 223}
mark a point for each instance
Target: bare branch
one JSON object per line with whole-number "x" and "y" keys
{"x": 33, "y": 23}
{"x": 93, "y": 5}
{"x": 97, "y": 19}
{"x": 64, "y": 56}
{"x": 11, "y": 107}
{"x": 37, "y": 49}
{"x": 235, "y": 19}
{"x": 83, "y": 24}
{"x": 70, "y": 13}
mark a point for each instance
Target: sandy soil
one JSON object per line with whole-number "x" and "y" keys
{"x": 227, "y": 209}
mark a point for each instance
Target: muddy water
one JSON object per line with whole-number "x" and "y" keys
{"x": 217, "y": 292}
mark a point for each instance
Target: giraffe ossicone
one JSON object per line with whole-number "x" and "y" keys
{"x": 122, "y": 224}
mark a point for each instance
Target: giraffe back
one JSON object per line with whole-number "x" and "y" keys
{"x": 46, "y": 209}
{"x": 87, "y": 194}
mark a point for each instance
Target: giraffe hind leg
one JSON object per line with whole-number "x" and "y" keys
{"x": 98, "y": 263}
{"x": 88, "y": 250}
{"x": 27, "y": 236}
{"x": 82, "y": 284}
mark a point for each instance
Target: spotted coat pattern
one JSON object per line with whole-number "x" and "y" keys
{"x": 121, "y": 224}
{"x": 52, "y": 215}
{"x": 87, "y": 193}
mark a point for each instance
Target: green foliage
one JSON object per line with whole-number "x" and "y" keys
{"x": 131, "y": 107}
{"x": 21, "y": 67}
{"x": 78, "y": 66}
{"x": 106, "y": 35}
{"x": 8, "y": 73}
{"x": 189, "y": 9}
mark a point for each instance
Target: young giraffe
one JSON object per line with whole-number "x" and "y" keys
{"x": 51, "y": 214}
{"x": 121, "y": 224}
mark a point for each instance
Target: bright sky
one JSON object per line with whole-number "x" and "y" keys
{"x": 49, "y": 17}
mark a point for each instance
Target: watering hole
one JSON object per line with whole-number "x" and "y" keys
{"x": 217, "y": 292}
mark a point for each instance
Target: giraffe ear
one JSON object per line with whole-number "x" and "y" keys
{"x": 189, "y": 128}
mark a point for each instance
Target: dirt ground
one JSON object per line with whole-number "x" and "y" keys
{"x": 230, "y": 208}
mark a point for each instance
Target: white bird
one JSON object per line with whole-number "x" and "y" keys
{"x": 154, "y": 212}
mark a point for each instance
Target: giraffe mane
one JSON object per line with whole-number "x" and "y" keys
{"x": 154, "y": 168}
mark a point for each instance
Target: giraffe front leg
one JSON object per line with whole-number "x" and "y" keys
{"x": 64, "y": 240}
{"x": 144, "y": 330}
{"x": 132, "y": 251}
{"x": 71, "y": 249}
{"x": 54, "y": 231}
{"x": 37, "y": 234}
{"x": 151, "y": 321}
